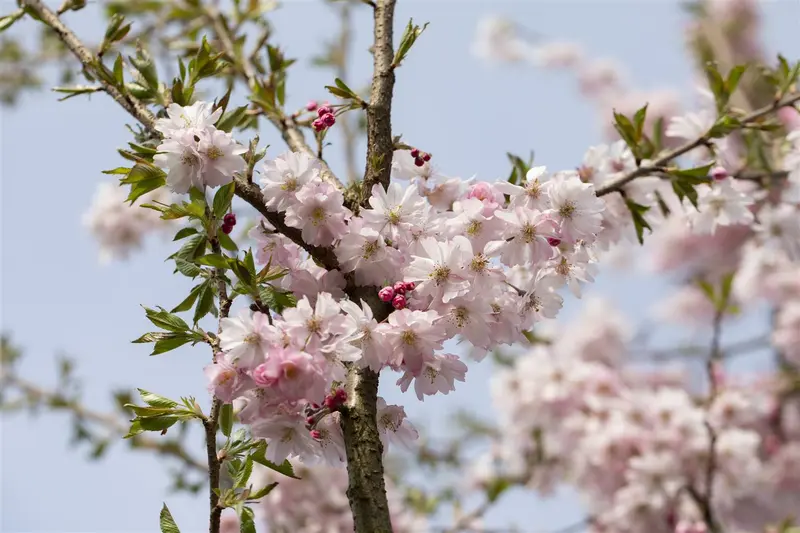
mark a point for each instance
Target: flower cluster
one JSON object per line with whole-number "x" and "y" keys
{"x": 196, "y": 153}
{"x": 326, "y": 118}
{"x": 635, "y": 443}
{"x": 118, "y": 227}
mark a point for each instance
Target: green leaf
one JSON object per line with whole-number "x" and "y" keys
{"x": 723, "y": 126}
{"x": 497, "y": 487}
{"x": 708, "y": 290}
{"x": 8, "y": 20}
{"x": 243, "y": 475}
{"x": 183, "y": 233}
{"x": 226, "y": 419}
{"x": 197, "y": 196}
{"x": 153, "y": 336}
{"x": 695, "y": 175}
{"x": 717, "y": 86}
{"x": 154, "y": 400}
{"x": 188, "y": 302}
{"x": 275, "y": 299}
{"x": 166, "y": 521}
{"x": 192, "y": 248}
{"x": 638, "y": 122}
{"x": 734, "y": 76}
{"x": 226, "y": 242}
{"x": 158, "y": 423}
{"x": 639, "y": 222}
{"x": 205, "y": 301}
{"x": 232, "y": 118}
{"x": 166, "y": 320}
{"x": 626, "y": 131}
{"x": 143, "y": 179}
{"x": 250, "y": 262}
{"x": 118, "y": 170}
{"x": 187, "y": 268}
{"x": 725, "y": 293}
{"x": 223, "y": 199}
{"x": 260, "y": 493}
{"x": 410, "y": 36}
{"x": 246, "y": 521}
{"x": 259, "y": 456}
{"x": 214, "y": 260}
{"x": 169, "y": 344}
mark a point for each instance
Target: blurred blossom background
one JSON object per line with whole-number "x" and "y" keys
{"x": 486, "y": 78}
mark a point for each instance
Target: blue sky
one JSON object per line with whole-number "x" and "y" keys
{"x": 56, "y": 298}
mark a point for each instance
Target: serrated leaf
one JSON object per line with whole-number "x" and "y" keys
{"x": 187, "y": 268}
{"x": 223, "y": 198}
{"x": 259, "y": 456}
{"x": 188, "y": 302}
{"x": 214, "y": 260}
{"x": 155, "y": 400}
{"x": 639, "y": 222}
{"x": 158, "y": 423}
{"x": 204, "y": 302}
{"x": 226, "y": 419}
{"x": 226, "y": 242}
{"x": 247, "y": 521}
{"x": 243, "y": 476}
{"x": 118, "y": 170}
{"x": 232, "y": 118}
{"x": 275, "y": 299}
{"x": 8, "y": 20}
{"x": 260, "y": 493}
{"x": 153, "y": 336}
{"x": 167, "y": 523}
{"x": 734, "y": 76}
{"x": 183, "y": 233}
{"x": 192, "y": 248}
{"x": 165, "y": 320}
{"x": 169, "y": 344}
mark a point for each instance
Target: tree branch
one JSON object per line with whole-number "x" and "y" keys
{"x": 90, "y": 62}
{"x": 659, "y": 163}
{"x": 379, "y": 110}
{"x": 108, "y": 421}
{"x": 366, "y": 490}
{"x": 291, "y": 134}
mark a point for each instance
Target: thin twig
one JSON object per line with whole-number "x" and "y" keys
{"x": 659, "y": 163}
{"x": 110, "y": 422}
{"x": 90, "y": 62}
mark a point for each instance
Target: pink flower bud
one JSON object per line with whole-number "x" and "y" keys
{"x": 318, "y": 125}
{"x": 315, "y": 434}
{"x": 311, "y": 105}
{"x": 553, "y": 241}
{"x": 399, "y": 288}
{"x": 386, "y": 294}
{"x": 399, "y": 302}
{"x": 415, "y": 153}
{"x": 329, "y": 119}
{"x": 324, "y": 110}
{"x": 426, "y": 157}
{"x": 410, "y": 286}
{"x": 336, "y": 400}
{"x": 227, "y": 229}
{"x": 310, "y": 421}
{"x": 718, "y": 173}
{"x": 229, "y": 219}
{"x": 419, "y": 162}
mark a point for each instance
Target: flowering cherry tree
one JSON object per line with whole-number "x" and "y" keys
{"x": 339, "y": 283}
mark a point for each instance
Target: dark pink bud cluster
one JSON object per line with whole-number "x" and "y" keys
{"x": 311, "y": 106}
{"x": 553, "y": 241}
{"x": 420, "y": 158}
{"x": 396, "y": 294}
{"x": 326, "y": 118}
{"x": 228, "y": 222}
{"x": 336, "y": 400}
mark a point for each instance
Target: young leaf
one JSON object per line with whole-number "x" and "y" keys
{"x": 183, "y": 233}
{"x": 188, "y": 302}
{"x": 154, "y": 400}
{"x": 226, "y": 419}
{"x": 167, "y": 522}
{"x": 175, "y": 340}
{"x": 232, "y": 118}
{"x": 639, "y": 222}
{"x": 205, "y": 301}
{"x": 410, "y": 36}
{"x": 246, "y": 520}
{"x": 260, "y": 493}
{"x": 226, "y": 242}
{"x": 243, "y": 476}
{"x": 165, "y": 320}
{"x": 223, "y": 198}
{"x": 214, "y": 260}
{"x": 259, "y": 456}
